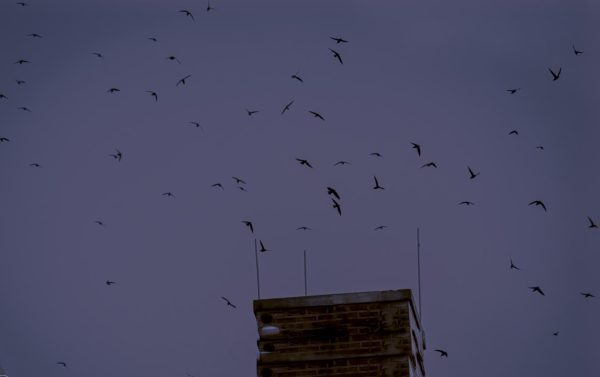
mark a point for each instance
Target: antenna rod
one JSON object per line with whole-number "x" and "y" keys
{"x": 305, "y": 283}
{"x": 419, "y": 270}
{"x": 257, "y": 271}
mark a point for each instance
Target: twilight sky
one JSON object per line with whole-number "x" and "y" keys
{"x": 431, "y": 72}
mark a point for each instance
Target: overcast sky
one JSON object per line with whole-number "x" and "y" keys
{"x": 431, "y": 72}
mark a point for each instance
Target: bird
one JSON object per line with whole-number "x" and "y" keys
{"x": 513, "y": 91}
{"x": 117, "y": 156}
{"x": 168, "y": 194}
{"x": 337, "y": 55}
{"x": 339, "y": 40}
{"x": 4, "y": 140}
{"x": 555, "y": 333}
{"x": 592, "y": 224}
{"x": 287, "y": 107}
{"x": 376, "y": 154}
{"x": 229, "y": 302}
{"x": 109, "y": 283}
{"x": 238, "y": 180}
{"x": 381, "y": 227}
{"x": 24, "y": 108}
{"x": 99, "y": 55}
{"x": 20, "y": 82}
{"x": 242, "y": 188}
{"x": 22, "y": 61}
{"x": 209, "y": 8}
{"x": 113, "y": 90}
{"x": 472, "y": 174}
{"x": 35, "y": 165}
{"x": 182, "y": 81}
{"x": 442, "y": 353}
{"x": 296, "y": 77}
{"x": 195, "y": 124}
{"x": 99, "y": 222}
{"x": 303, "y": 228}
{"x": 417, "y": 147}
{"x": 153, "y": 94}
{"x": 153, "y": 39}
{"x": 218, "y": 184}
{"x": 341, "y": 162}
{"x": 22, "y": 4}
{"x": 187, "y": 13}
{"x": 514, "y": 132}
{"x": 555, "y": 76}
{"x": 540, "y": 147}
{"x": 337, "y": 206}
{"x": 512, "y": 266}
{"x": 262, "y": 247}
{"x": 60, "y": 362}
{"x": 539, "y": 203}
{"x": 251, "y": 112}
{"x": 587, "y": 295}
{"x": 3, "y": 96}
{"x": 173, "y": 58}
{"x": 429, "y": 164}
{"x": 304, "y": 162}
{"x": 249, "y": 225}
{"x": 576, "y": 51}
{"x": 466, "y": 202}
{"x": 537, "y": 289}
{"x": 377, "y": 187}
{"x": 332, "y": 191}
{"x": 317, "y": 115}
{"x": 34, "y": 35}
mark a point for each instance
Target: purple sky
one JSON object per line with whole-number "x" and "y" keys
{"x": 431, "y": 72}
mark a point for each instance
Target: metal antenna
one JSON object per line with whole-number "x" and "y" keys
{"x": 419, "y": 270}
{"x": 258, "y": 272}
{"x": 305, "y": 283}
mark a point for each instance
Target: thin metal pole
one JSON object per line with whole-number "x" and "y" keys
{"x": 305, "y": 283}
{"x": 257, "y": 271}
{"x": 419, "y": 269}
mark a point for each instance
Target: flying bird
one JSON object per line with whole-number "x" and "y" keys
{"x": 22, "y": 61}
{"x": 3, "y": 96}
{"x": 117, "y": 156}
{"x": 173, "y": 58}
{"x": 417, "y": 147}
{"x": 512, "y": 266}
{"x": 442, "y": 353}
{"x": 168, "y": 194}
{"x": 429, "y": 164}
{"x": 304, "y": 162}
{"x": 317, "y": 115}
{"x": 296, "y": 77}
{"x": 251, "y": 112}
{"x": 99, "y": 222}
{"x": 209, "y": 8}
{"x": 59, "y": 362}
{"x": 242, "y": 188}
{"x": 592, "y": 224}
{"x": 576, "y": 51}
{"x": 339, "y": 40}
{"x": 249, "y": 225}
{"x": 303, "y": 228}
{"x": 153, "y": 94}
{"x": 109, "y": 283}
{"x": 586, "y": 295}
{"x": 377, "y": 187}
{"x": 539, "y": 203}
{"x": 34, "y": 35}
{"x": 35, "y": 165}
{"x": 337, "y": 206}
{"x": 22, "y": 4}
{"x": 153, "y": 39}
{"x": 555, "y": 76}
{"x": 342, "y": 162}
{"x": 228, "y": 302}
{"x": 332, "y": 191}
{"x": 287, "y": 107}
{"x": 555, "y": 333}
{"x": 218, "y": 184}
{"x": 195, "y": 124}
{"x": 472, "y": 174}
{"x": 376, "y": 154}
{"x": 262, "y": 247}
{"x": 187, "y": 13}
{"x": 99, "y": 55}
{"x": 4, "y": 140}
{"x": 182, "y": 81}
{"x": 538, "y": 290}
{"x": 238, "y": 180}
{"x": 513, "y": 91}
{"x": 20, "y": 82}
{"x": 381, "y": 227}
{"x": 113, "y": 90}
{"x": 337, "y": 55}
{"x": 466, "y": 202}
{"x": 514, "y": 132}
{"x": 24, "y": 109}
{"x": 540, "y": 147}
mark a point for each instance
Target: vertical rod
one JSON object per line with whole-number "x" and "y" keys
{"x": 305, "y": 283}
{"x": 419, "y": 270}
{"x": 257, "y": 271}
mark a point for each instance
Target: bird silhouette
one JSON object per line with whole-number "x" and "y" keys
{"x": 22, "y": 4}
{"x": 539, "y": 203}
{"x": 337, "y": 206}
{"x": 238, "y": 180}
{"x": 62, "y": 363}
{"x": 98, "y": 55}
{"x": 341, "y": 162}
{"x": 182, "y": 80}
{"x": 109, "y": 283}
{"x": 538, "y": 290}
{"x": 576, "y": 51}
{"x": 540, "y": 147}
{"x": 249, "y": 225}
{"x": 337, "y": 55}
{"x": 555, "y": 333}
{"x": 242, "y": 188}
{"x": 218, "y": 184}
{"x": 338, "y": 40}
{"x": 555, "y": 76}
{"x": 442, "y": 353}
{"x": 466, "y": 202}
{"x": 153, "y": 39}
{"x": 512, "y": 266}
{"x": 514, "y": 132}
{"x": 262, "y": 247}
{"x": 429, "y": 165}
{"x": 332, "y": 191}
{"x": 251, "y": 112}
{"x": 381, "y": 227}
{"x": 513, "y": 91}
{"x": 317, "y": 115}
{"x": 3, "y": 96}
{"x": 187, "y": 13}
{"x": 22, "y": 61}
{"x": 592, "y": 224}
{"x": 472, "y": 174}
{"x": 587, "y": 295}
{"x": 4, "y": 140}
{"x": 303, "y": 228}
{"x": 168, "y": 194}
{"x": 228, "y": 302}
{"x": 376, "y": 154}
{"x": 99, "y": 222}
{"x": 117, "y": 156}
{"x": 113, "y": 90}
{"x": 417, "y": 147}
{"x": 35, "y": 165}
{"x": 304, "y": 162}
{"x": 209, "y": 8}
{"x": 287, "y": 107}
{"x": 173, "y": 58}
{"x": 24, "y": 109}
{"x": 20, "y": 82}
{"x": 195, "y": 124}
{"x": 34, "y": 35}
{"x": 377, "y": 187}
{"x": 153, "y": 94}
{"x": 296, "y": 77}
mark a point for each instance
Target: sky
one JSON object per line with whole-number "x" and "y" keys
{"x": 433, "y": 72}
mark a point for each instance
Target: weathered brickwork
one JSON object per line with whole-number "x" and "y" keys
{"x": 346, "y": 335}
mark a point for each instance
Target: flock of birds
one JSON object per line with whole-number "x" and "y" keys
{"x": 333, "y": 193}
